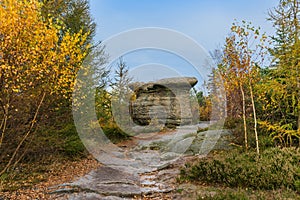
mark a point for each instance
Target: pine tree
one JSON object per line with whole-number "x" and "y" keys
{"x": 282, "y": 86}
{"x": 74, "y": 14}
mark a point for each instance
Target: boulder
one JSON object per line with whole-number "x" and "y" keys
{"x": 165, "y": 101}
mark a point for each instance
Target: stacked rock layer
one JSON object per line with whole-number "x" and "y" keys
{"x": 166, "y": 101}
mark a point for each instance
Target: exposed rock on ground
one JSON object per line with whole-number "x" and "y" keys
{"x": 156, "y": 160}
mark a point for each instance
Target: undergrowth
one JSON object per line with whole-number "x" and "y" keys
{"x": 275, "y": 168}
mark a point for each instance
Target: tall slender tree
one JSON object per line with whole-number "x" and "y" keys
{"x": 243, "y": 52}
{"x": 121, "y": 93}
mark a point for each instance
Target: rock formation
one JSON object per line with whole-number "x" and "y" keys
{"x": 165, "y": 101}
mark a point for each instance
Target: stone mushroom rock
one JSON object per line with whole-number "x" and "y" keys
{"x": 172, "y": 82}
{"x": 165, "y": 101}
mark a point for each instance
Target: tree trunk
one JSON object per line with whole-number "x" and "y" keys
{"x": 3, "y": 127}
{"x": 298, "y": 127}
{"x": 33, "y": 121}
{"x": 244, "y": 118}
{"x": 254, "y": 117}
{"x": 296, "y": 25}
{"x": 4, "y": 120}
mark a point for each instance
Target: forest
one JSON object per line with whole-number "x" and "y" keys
{"x": 45, "y": 43}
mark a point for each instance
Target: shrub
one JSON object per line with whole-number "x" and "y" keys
{"x": 231, "y": 123}
{"x": 114, "y": 133}
{"x": 275, "y": 168}
{"x": 236, "y": 127}
{"x": 227, "y": 195}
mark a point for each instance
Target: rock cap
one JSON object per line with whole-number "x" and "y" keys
{"x": 167, "y": 82}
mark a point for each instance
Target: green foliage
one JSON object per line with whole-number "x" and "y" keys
{"x": 274, "y": 169}
{"x": 74, "y": 14}
{"x": 61, "y": 140}
{"x": 282, "y": 134}
{"x": 235, "y": 125}
{"x": 72, "y": 146}
{"x": 297, "y": 182}
{"x": 279, "y": 91}
{"x": 231, "y": 123}
{"x": 111, "y": 105}
{"x": 265, "y": 142}
{"x": 103, "y": 106}
{"x": 114, "y": 133}
{"x": 201, "y": 98}
{"x": 38, "y": 70}
{"x": 222, "y": 193}
{"x": 230, "y": 195}
{"x": 201, "y": 105}
{"x": 279, "y": 100}
{"x": 285, "y": 18}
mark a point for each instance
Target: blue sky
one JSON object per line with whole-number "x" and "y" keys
{"x": 206, "y": 21}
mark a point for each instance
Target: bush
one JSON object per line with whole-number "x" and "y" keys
{"x": 265, "y": 142}
{"x": 114, "y": 133}
{"x": 73, "y": 146}
{"x": 226, "y": 196}
{"x": 237, "y": 128}
{"x": 274, "y": 169}
{"x": 231, "y": 123}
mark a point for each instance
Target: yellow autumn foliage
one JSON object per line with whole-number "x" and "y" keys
{"x": 39, "y": 59}
{"x": 33, "y": 54}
